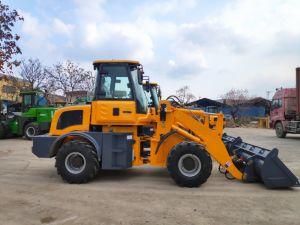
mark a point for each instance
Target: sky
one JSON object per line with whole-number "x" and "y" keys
{"x": 210, "y": 45}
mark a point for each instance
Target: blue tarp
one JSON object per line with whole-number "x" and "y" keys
{"x": 247, "y": 111}
{"x": 244, "y": 111}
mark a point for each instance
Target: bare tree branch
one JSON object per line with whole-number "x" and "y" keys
{"x": 235, "y": 98}
{"x": 33, "y": 72}
{"x": 69, "y": 77}
{"x": 184, "y": 94}
{"x": 8, "y": 40}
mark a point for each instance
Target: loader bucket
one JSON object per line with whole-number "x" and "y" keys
{"x": 259, "y": 164}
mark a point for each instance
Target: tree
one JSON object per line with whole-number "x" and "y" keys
{"x": 50, "y": 86}
{"x": 32, "y": 71}
{"x": 235, "y": 98}
{"x": 8, "y": 39}
{"x": 68, "y": 77}
{"x": 89, "y": 84}
{"x": 184, "y": 94}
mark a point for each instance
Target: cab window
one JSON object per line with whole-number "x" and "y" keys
{"x": 114, "y": 83}
{"x": 154, "y": 97}
{"x": 276, "y": 103}
{"x": 69, "y": 118}
{"x": 27, "y": 100}
{"x": 122, "y": 88}
{"x": 40, "y": 100}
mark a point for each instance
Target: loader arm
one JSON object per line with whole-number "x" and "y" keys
{"x": 210, "y": 138}
{"x": 242, "y": 160}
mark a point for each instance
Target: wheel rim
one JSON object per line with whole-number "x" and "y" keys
{"x": 189, "y": 165}
{"x": 30, "y": 132}
{"x": 75, "y": 162}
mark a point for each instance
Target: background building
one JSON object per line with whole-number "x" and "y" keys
{"x": 255, "y": 107}
{"x": 10, "y": 87}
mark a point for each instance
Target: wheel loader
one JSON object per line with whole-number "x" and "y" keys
{"x": 153, "y": 94}
{"x": 29, "y": 118}
{"x": 112, "y": 133}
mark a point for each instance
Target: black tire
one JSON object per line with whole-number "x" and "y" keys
{"x": 280, "y": 130}
{"x": 183, "y": 176}
{"x": 31, "y": 130}
{"x": 2, "y": 131}
{"x": 88, "y": 166}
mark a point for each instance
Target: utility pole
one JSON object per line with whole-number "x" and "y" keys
{"x": 268, "y": 95}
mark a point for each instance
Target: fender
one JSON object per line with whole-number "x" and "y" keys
{"x": 95, "y": 138}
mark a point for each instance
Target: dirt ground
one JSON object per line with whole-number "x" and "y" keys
{"x": 32, "y": 193}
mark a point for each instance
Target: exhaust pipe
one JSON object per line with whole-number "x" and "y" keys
{"x": 259, "y": 164}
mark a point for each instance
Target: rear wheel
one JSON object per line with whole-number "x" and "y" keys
{"x": 2, "y": 131}
{"x": 77, "y": 162}
{"x": 189, "y": 164}
{"x": 31, "y": 130}
{"x": 280, "y": 130}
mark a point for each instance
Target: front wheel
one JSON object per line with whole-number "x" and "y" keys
{"x": 77, "y": 162}
{"x": 280, "y": 130}
{"x": 189, "y": 164}
{"x": 31, "y": 130}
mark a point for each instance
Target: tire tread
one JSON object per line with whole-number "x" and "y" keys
{"x": 92, "y": 163}
{"x": 206, "y": 164}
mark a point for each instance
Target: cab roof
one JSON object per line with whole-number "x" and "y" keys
{"x": 99, "y": 61}
{"x": 25, "y": 92}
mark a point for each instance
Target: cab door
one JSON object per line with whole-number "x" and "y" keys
{"x": 114, "y": 102}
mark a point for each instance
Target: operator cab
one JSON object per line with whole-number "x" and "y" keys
{"x": 152, "y": 92}
{"x": 32, "y": 99}
{"x": 120, "y": 80}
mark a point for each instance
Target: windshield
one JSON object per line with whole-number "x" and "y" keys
{"x": 30, "y": 100}
{"x": 276, "y": 103}
{"x": 113, "y": 83}
{"x": 41, "y": 100}
{"x": 148, "y": 95}
{"x": 27, "y": 100}
{"x": 154, "y": 96}
{"x": 142, "y": 104}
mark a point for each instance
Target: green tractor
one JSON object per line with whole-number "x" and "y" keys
{"x": 30, "y": 118}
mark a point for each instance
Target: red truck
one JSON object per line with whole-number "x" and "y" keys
{"x": 285, "y": 109}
